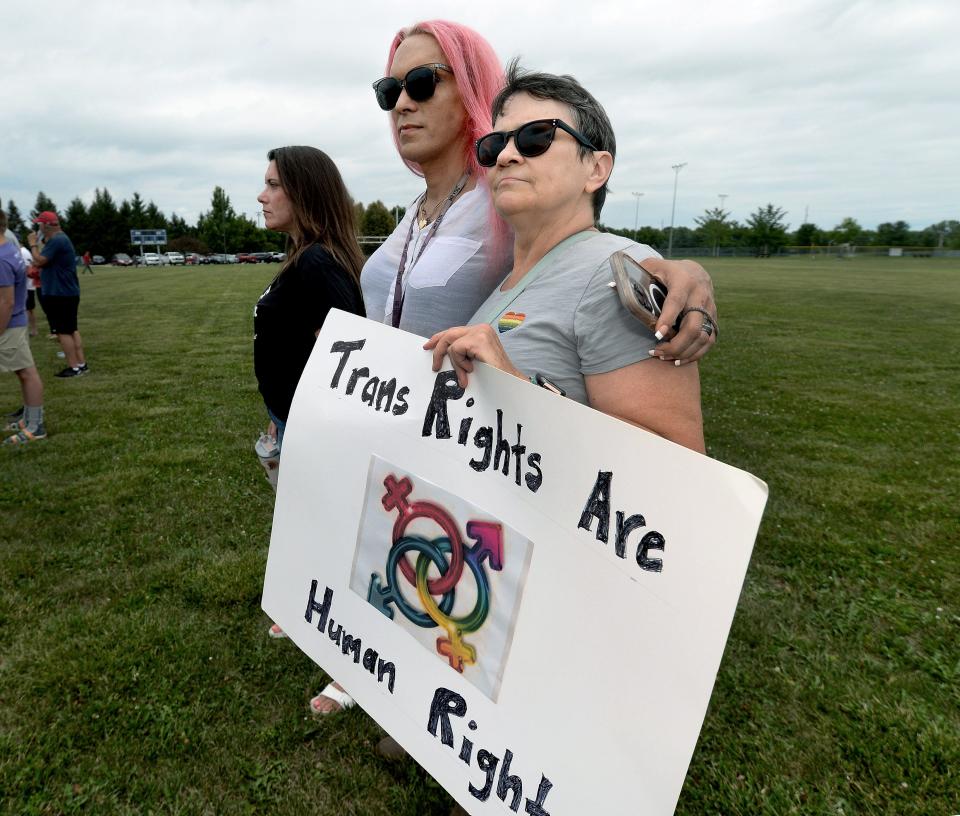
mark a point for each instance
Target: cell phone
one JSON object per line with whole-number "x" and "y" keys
{"x": 543, "y": 382}
{"x": 641, "y": 293}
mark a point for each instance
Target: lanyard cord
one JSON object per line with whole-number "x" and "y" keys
{"x": 398, "y": 288}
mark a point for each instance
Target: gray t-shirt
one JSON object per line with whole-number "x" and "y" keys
{"x": 568, "y": 322}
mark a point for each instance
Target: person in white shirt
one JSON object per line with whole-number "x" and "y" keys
{"x": 31, "y": 291}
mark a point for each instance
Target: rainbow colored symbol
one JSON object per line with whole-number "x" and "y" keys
{"x": 449, "y": 554}
{"x": 510, "y": 320}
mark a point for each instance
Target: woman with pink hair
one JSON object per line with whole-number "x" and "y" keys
{"x": 451, "y": 248}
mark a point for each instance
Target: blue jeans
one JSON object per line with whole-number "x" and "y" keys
{"x": 281, "y": 426}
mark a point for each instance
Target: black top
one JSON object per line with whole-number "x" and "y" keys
{"x": 287, "y": 316}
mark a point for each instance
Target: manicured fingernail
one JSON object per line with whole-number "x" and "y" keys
{"x": 658, "y": 334}
{"x": 676, "y": 362}
{"x": 652, "y": 352}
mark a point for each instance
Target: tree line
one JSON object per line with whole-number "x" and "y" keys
{"x": 104, "y": 227}
{"x": 766, "y": 232}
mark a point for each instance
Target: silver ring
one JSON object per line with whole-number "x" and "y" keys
{"x": 709, "y": 325}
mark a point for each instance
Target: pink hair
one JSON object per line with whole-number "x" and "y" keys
{"x": 477, "y": 69}
{"x": 480, "y": 77}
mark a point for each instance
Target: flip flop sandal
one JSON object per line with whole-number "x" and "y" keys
{"x": 23, "y": 437}
{"x": 15, "y": 425}
{"x": 331, "y": 692}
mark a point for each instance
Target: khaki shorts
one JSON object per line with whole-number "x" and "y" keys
{"x": 15, "y": 350}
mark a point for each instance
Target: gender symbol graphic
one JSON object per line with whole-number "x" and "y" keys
{"x": 449, "y": 554}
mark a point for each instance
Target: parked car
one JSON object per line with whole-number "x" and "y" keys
{"x": 98, "y": 260}
{"x": 121, "y": 259}
{"x": 174, "y": 258}
{"x": 230, "y": 258}
{"x": 151, "y": 259}
{"x": 279, "y": 256}
{"x": 246, "y": 257}
{"x": 193, "y": 258}
{"x": 263, "y": 257}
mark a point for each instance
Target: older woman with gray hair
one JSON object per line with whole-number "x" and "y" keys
{"x": 555, "y": 316}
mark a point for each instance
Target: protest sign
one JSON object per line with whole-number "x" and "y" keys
{"x": 532, "y": 597}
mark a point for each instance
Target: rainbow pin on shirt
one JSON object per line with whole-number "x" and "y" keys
{"x": 510, "y": 320}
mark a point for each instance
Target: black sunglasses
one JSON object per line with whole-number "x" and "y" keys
{"x": 420, "y": 83}
{"x": 532, "y": 139}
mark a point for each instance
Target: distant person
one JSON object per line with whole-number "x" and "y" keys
{"x": 32, "y": 274}
{"x": 15, "y": 356}
{"x": 86, "y": 262}
{"x": 61, "y": 288}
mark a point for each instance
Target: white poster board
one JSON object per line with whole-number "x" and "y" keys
{"x": 530, "y": 596}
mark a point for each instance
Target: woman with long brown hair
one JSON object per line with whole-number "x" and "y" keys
{"x": 303, "y": 196}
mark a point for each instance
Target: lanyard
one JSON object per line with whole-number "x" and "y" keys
{"x": 511, "y": 295}
{"x": 398, "y": 289}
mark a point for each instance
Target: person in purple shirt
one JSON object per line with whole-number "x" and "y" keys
{"x": 15, "y": 355}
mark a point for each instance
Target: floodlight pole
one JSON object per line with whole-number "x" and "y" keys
{"x": 716, "y": 246}
{"x": 636, "y": 215}
{"x": 673, "y": 210}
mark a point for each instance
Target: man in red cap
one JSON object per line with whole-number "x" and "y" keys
{"x": 61, "y": 288}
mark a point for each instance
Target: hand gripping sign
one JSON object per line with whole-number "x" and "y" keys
{"x": 510, "y": 583}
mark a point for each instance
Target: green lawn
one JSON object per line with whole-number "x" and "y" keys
{"x": 135, "y": 671}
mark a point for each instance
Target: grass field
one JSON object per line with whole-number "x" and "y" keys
{"x": 135, "y": 672}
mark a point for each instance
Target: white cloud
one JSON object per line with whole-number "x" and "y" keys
{"x": 847, "y": 108}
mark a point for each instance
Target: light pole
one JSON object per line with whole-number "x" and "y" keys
{"x": 636, "y": 215}
{"x": 716, "y": 244}
{"x": 673, "y": 210}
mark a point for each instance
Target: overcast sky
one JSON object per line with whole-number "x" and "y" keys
{"x": 833, "y": 107}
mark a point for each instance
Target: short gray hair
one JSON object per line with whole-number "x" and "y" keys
{"x": 589, "y": 117}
